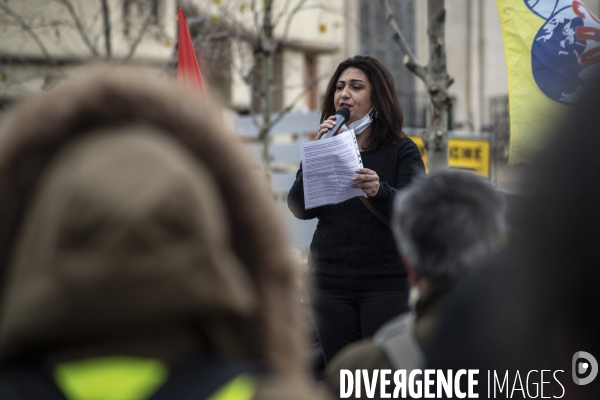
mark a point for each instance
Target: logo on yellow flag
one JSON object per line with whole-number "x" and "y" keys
{"x": 552, "y": 51}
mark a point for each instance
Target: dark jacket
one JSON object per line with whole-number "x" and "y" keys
{"x": 351, "y": 248}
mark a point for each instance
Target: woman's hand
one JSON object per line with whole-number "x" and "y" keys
{"x": 325, "y": 126}
{"x": 367, "y": 180}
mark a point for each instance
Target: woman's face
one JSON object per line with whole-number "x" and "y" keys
{"x": 353, "y": 91}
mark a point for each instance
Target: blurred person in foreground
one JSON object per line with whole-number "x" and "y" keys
{"x": 538, "y": 305}
{"x": 140, "y": 255}
{"x": 446, "y": 224}
{"x": 360, "y": 282}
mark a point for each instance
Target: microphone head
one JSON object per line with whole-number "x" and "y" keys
{"x": 344, "y": 112}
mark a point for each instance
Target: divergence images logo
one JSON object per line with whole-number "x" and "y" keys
{"x": 584, "y": 364}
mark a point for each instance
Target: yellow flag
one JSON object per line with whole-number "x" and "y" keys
{"x": 552, "y": 51}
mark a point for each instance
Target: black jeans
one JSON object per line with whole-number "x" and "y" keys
{"x": 343, "y": 317}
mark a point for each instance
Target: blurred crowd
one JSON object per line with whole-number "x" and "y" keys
{"x": 142, "y": 257}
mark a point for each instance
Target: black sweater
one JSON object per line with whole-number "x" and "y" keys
{"x": 351, "y": 248}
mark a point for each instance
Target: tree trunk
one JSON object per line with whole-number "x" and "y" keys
{"x": 434, "y": 76}
{"x": 437, "y": 80}
{"x": 266, "y": 103}
{"x": 106, "y": 21}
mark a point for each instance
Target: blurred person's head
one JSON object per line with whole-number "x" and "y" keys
{"x": 446, "y": 224}
{"x": 131, "y": 219}
{"x": 363, "y": 85}
{"x": 537, "y": 304}
{"x": 559, "y": 250}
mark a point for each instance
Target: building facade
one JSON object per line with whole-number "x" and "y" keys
{"x": 45, "y": 40}
{"x": 312, "y": 37}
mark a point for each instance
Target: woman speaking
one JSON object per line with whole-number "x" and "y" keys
{"x": 360, "y": 281}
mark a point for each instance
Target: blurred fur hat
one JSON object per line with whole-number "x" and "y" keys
{"x": 126, "y": 205}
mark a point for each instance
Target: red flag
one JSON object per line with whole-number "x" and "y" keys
{"x": 187, "y": 63}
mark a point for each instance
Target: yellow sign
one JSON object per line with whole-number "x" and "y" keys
{"x": 468, "y": 154}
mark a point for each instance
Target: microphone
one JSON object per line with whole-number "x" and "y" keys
{"x": 342, "y": 116}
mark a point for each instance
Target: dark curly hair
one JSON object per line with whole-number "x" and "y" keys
{"x": 389, "y": 123}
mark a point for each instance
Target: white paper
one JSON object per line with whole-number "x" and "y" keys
{"x": 328, "y": 166}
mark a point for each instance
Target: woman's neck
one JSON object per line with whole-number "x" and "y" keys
{"x": 362, "y": 139}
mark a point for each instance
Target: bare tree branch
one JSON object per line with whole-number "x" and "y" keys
{"x": 293, "y": 103}
{"x": 245, "y": 75}
{"x": 32, "y": 34}
{"x": 409, "y": 58}
{"x": 198, "y": 39}
{"x": 285, "y": 9}
{"x": 256, "y": 16}
{"x": 106, "y": 19}
{"x": 79, "y": 25}
{"x": 288, "y": 22}
{"x": 254, "y": 119}
{"x": 139, "y": 37}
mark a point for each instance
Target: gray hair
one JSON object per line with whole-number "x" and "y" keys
{"x": 448, "y": 222}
